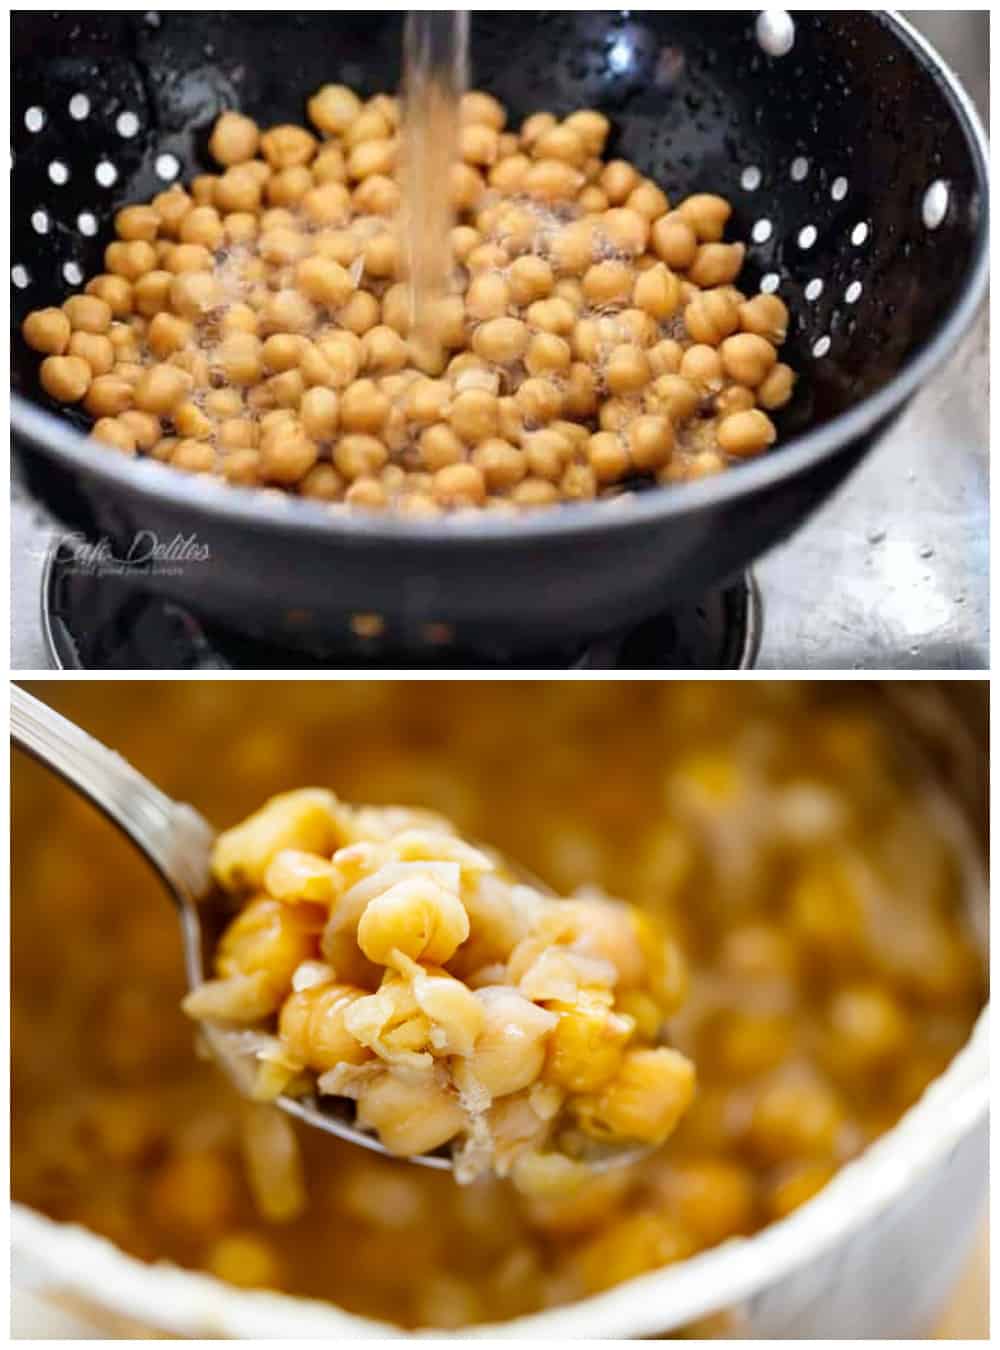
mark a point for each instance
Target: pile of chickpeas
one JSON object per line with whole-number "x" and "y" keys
{"x": 257, "y": 327}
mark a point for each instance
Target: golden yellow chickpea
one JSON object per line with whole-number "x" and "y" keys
{"x": 745, "y": 434}
{"x": 488, "y": 296}
{"x": 107, "y": 396}
{"x": 342, "y": 353}
{"x": 574, "y": 247}
{"x": 547, "y": 453}
{"x": 711, "y": 316}
{"x": 552, "y": 180}
{"x": 636, "y": 326}
{"x": 464, "y": 238}
{"x": 766, "y": 316}
{"x": 360, "y": 313}
{"x": 649, "y": 200}
{"x": 608, "y": 283}
{"x": 507, "y": 175}
{"x": 368, "y": 494}
{"x": 427, "y": 401}
{"x": 193, "y": 456}
{"x": 144, "y": 427}
{"x": 459, "y": 485}
{"x": 66, "y": 378}
{"x": 538, "y": 400}
{"x": 168, "y": 333}
{"x": 375, "y": 156}
{"x": 776, "y": 388}
{"x": 440, "y": 446}
{"x": 359, "y": 456}
{"x": 591, "y": 127}
{"x": 187, "y": 258}
{"x": 561, "y": 142}
{"x": 608, "y": 457}
{"x": 234, "y": 139}
{"x": 674, "y": 241}
{"x": 627, "y": 231}
{"x": 223, "y": 402}
{"x": 500, "y": 340}
{"x": 333, "y": 108}
{"x": 237, "y": 190}
{"x": 747, "y": 359}
{"x": 614, "y": 414}
{"x": 383, "y": 350}
{"x": 536, "y": 125}
{"x": 702, "y": 366}
{"x": 239, "y": 357}
{"x": 237, "y": 433}
{"x": 479, "y": 107}
{"x": 377, "y": 195}
{"x": 286, "y": 146}
{"x": 319, "y": 411}
{"x": 473, "y": 416}
{"x": 194, "y": 294}
{"x": 113, "y": 432}
{"x": 87, "y": 314}
{"x": 534, "y": 492}
{"x": 190, "y": 421}
{"x": 171, "y": 206}
{"x": 238, "y": 318}
{"x": 151, "y": 293}
{"x": 716, "y": 264}
{"x": 547, "y": 354}
{"x": 203, "y": 188}
{"x": 618, "y": 179}
{"x": 202, "y": 225}
{"x": 707, "y": 215}
{"x": 363, "y": 407}
{"x": 282, "y": 351}
{"x": 49, "y": 330}
{"x": 130, "y": 260}
{"x": 116, "y": 292}
{"x": 289, "y": 187}
{"x": 161, "y": 388}
{"x": 486, "y": 257}
{"x": 674, "y": 396}
{"x": 478, "y": 144}
{"x": 627, "y": 370}
{"x": 241, "y": 465}
{"x": 287, "y": 311}
{"x": 371, "y": 124}
{"x": 580, "y": 397}
{"x": 467, "y": 186}
{"x": 650, "y": 441}
{"x": 94, "y": 348}
{"x": 287, "y": 455}
{"x": 529, "y": 278}
{"x": 657, "y": 291}
{"x": 554, "y": 315}
{"x": 137, "y": 222}
{"x": 322, "y": 483}
{"x": 501, "y": 464}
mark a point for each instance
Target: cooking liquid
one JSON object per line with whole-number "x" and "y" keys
{"x": 435, "y": 74}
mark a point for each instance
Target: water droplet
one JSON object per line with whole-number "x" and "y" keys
{"x": 876, "y": 536}
{"x": 927, "y": 551}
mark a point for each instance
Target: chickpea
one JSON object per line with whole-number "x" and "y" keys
{"x": 202, "y": 225}
{"x": 94, "y": 348}
{"x": 702, "y": 366}
{"x": 130, "y": 260}
{"x": 711, "y": 316}
{"x": 241, "y": 465}
{"x": 376, "y": 196}
{"x": 115, "y": 291}
{"x": 194, "y": 456}
{"x": 501, "y": 464}
{"x": 608, "y": 457}
{"x": 322, "y": 483}
{"x": 618, "y": 179}
{"x": 538, "y": 400}
{"x": 195, "y": 363}
{"x": 554, "y": 315}
{"x": 592, "y": 128}
{"x": 371, "y": 124}
{"x": 234, "y": 139}
{"x": 776, "y": 388}
{"x": 342, "y": 354}
{"x": 48, "y": 330}
{"x": 459, "y": 485}
{"x": 289, "y": 187}
{"x": 151, "y": 293}
{"x": 473, "y": 415}
{"x": 66, "y": 378}
{"x": 534, "y": 492}
{"x": 608, "y": 283}
{"x": 287, "y": 311}
{"x": 766, "y": 316}
{"x": 657, "y": 291}
{"x": 87, "y": 314}
{"x": 574, "y": 248}
{"x": 440, "y": 446}
{"x": 168, "y": 334}
{"x": 674, "y": 396}
{"x": 360, "y": 313}
{"x": 648, "y": 200}
{"x": 171, "y": 206}
{"x": 237, "y": 433}
{"x": 551, "y": 180}
{"x": 745, "y": 434}
{"x": 627, "y": 369}
{"x": 286, "y": 146}
{"x": 487, "y": 297}
{"x": 747, "y": 359}
{"x": 508, "y": 175}
{"x": 237, "y": 190}
{"x": 529, "y": 278}
{"x": 370, "y": 157}
{"x": 716, "y": 264}
{"x": 636, "y": 326}
{"x": 478, "y": 144}
{"x": 107, "y": 396}
{"x": 427, "y": 401}
{"x": 510, "y": 418}
{"x": 580, "y": 397}
{"x": 223, "y": 403}
{"x": 500, "y": 340}
{"x": 193, "y": 294}
{"x": 190, "y": 421}
{"x": 467, "y": 186}
{"x": 287, "y": 455}
{"x": 111, "y": 431}
{"x": 547, "y": 354}
{"x": 674, "y": 241}
{"x": 144, "y": 427}
{"x": 707, "y": 216}
{"x": 187, "y": 258}
{"x": 239, "y": 356}
{"x": 383, "y": 349}
{"x": 359, "y": 456}
{"x": 368, "y": 494}
{"x": 363, "y": 407}
{"x": 561, "y": 142}
{"x": 479, "y": 107}
{"x": 733, "y": 399}
{"x": 137, "y": 222}
{"x": 650, "y": 441}
{"x": 627, "y": 231}
{"x": 547, "y": 453}
{"x": 333, "y": 108}
{"x": 329, "y": 166}
{"x": 161, "y": 388}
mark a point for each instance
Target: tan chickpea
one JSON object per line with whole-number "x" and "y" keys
{"x": 171, "y": 206}
{"x": 237, "y": 190}
{"x": 287, "y": 455}
{"x": 488, "y": 296}
{"x": 194, "y": 456}
{"x": 190, "y": 421}
{"x": 592, "y": 128}
{"x": 329, "y": 166}
{"x": 193, "y": 294}
{"x": 202, "y": 225}
{"x": 607, "y": 283}
{"x": 459, "y": 485}
{"x": 467, "y": 186}
{"x": 333, "y": 108}
{"x": 534, "y": 492}
{"x": 546, "y": 454}
{"x": 151, "y": 293}
{"x": 702, "y": 366}
{"x": 94, "y": 348}
{"x": 111, "y": 431}
{"x": 674, "y": 396}
{"x": 665, "y": 357}
{"x": 383, "y": 349}
{"x": 618, "y": 179}
{"x": 648, "y": 200}
{"x": 168, "y": 334}
{"x": 536, "y": 125}
{"x": 238, "y": 318}
{"x": 733, "y": 399}
{"x": 287, "y": 311}
{"x": 608, "y": 457}
{"x": 707, "y": 215}
{"x": 554, "y": 315}
{"x": 286, "y": 146}
{"x": 342, "y": 353}
{"x": 501, "y": 464}
{"x": 627, "y": 369}
{"x": 289, "y": 187}
{"x": 538, "y": 400}
{"x": 239, "y": 356}
{"x": 143, "y": 427}
{"x": 130, "y": 260}
{"x": 478, "y": 144}
{"x": 747, "y": 359}
{"x": 650, "y": 441}
{"x": 223, "y": 402}
{"x": 203, "y": 188}
{"x": 66, "y": 378}
{"x": 87, "y": 314}
{"x": 614, "y": 414}
{"x": 547, "y": 354}
{"x": 716, "y": 264}
{"x": 776, "y": 388}
{"x": 561, "y": 142}
{"x": 766, "y": 316}
{"x": 282, "y": 246}
{"x": 282, "y": 351}
{"x": 161, "y": 388}
{"x": 580, "y": 398}
{"x": 322, "y": 483}
{"x": 187, "y": 258}
{"x": 376, "y": 196}
{"x": 195, "y": 363}
{"x": 370, "y": 157}
{"x": 636, "y": 326}
{"x": 674, "y": 241}
{"x": 371, "y": 124}
{"x": 745, "y": 434}
{"x": 440, "y": 446}
{"x": 574, "y": 248}
{"x": 115, "y": 291}
{"x": 500, "y": 340}
{"x": 360, "y": 313}
{"x": 474, "y": 415}
{"x": 508, "y": 175}
{"x": 107, "y": 396}
{"x": 49, "y": 330}
{"x": 711, "y": 316}
{"x": 551, "y": 180}
{"x": 463, "y": 240}
{"x": 363, "y": 407}
{"x": 479, "y": 107}
{"x": 627, "y": 231}
{"x": 368, "y": 494}
{"x": 234, "y": 138}
{"x": 529, "y": 278}
{"x": 359, "y": 456}
{"x": 137, "y": 222}
{"x": 237, "y": 433}
{"x": 241, "y": 465}
{"x": 657, "y": 291}
{"x": 324, "y": 281}
{"x": 427, "y": 401}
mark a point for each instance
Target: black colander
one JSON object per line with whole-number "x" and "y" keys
{"x": 857, "y": 171}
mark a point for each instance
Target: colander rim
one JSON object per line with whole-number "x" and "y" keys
{"x": 266, "y": 510}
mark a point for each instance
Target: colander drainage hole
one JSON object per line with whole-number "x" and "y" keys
{"x": 750, "y": 179}
{"x": 20, "y": 276}
{"x": 72, "y": 273}
{"x": 58, "y": 172}
{"x": 838, "y": 189}
{"x": 814, "y": 289}
{"x": 769, "y": 283}
{"x": 40, "y": 221}
{"x": 86, "y": 223}
{"x": 808, "y": 236}
{"x": 859, "y": 234}
{"x": 106, "y": 173}
{"x": 79, "y": 107}
{"x": 853, "y": 292}
{"x": 34, "y": 119}
{"x": 821, "y": 346}
{"x": 127, "y": 125}
{"x": 799, "y": 169}
{"x": 167, "y": 167}
{"x": 761, "y": 231}
{"x": 935, "y": 204}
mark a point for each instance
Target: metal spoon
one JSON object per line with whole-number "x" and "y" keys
{"x": 178, "y": 841}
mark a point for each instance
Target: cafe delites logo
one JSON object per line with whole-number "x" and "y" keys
{"x": 145, "y": 554}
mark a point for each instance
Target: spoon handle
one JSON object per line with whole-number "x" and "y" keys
{"x": 174, "y": 837}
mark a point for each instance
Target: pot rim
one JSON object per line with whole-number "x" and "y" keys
{"x": 68, "y": 1259}
{"x": 263, "y": 510}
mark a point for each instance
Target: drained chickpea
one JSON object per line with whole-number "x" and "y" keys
{"x": 383, "y": 349}
{"x": 716, "y": 264}
{"x": 137, "y": 222}
{"x": 608, "y": 457}
{"x": 193, "y": 294}
{"x": 108, "y": 395}
{"x": 363, "y": 407}
{"x": 607, "y": 283}
{"x": 539, "y": 400}
{"x": 360, "y": 313}
{"x": 49, "y": 330}
{"x": 66, "y": 378}
{"x": 657, "y": 292}
{"x": 187, "y": 258}
{"x": 650, "y": 441}
{"x": 767, "y": 316}
{"x": 151, "y": 293}
{"x": 711, "y": 316}
{"x": 775, "y": 389}
{"x": 287, "y": 455}
{"x": 87, "y": 314}
{"x": 473, "y": 415}
{"x": 193, "y": 456}
{"x": 130, "y": 260}
{"x": 161, "y": 388}
{"x": 627, "y": 369}
{"x": 702, "y": 366}
{"x": 736, "y": 398}
{"x": 488, "y": 296}
{"x": 459, "y": 485}
{"x": 748, "y": 359}
{"x": 554, "y": 315}
{"x": 627, "y": 231}
{"x": 234, "y": 139}
{"x": 501, "y": 464}
{"x": 500, "y": 340}
{"x": 618, "y": 179}
{"x": 745, "y": 434}
{"x": 116, "y": 292}
{"x": 333, "y": 108}
{"x": 359, "y": 456}
{"x": 111, "y": 431}
{"x": 706, "y": 214}
{"x": 547, "y": 354}
{"x": 94, "y": 348}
